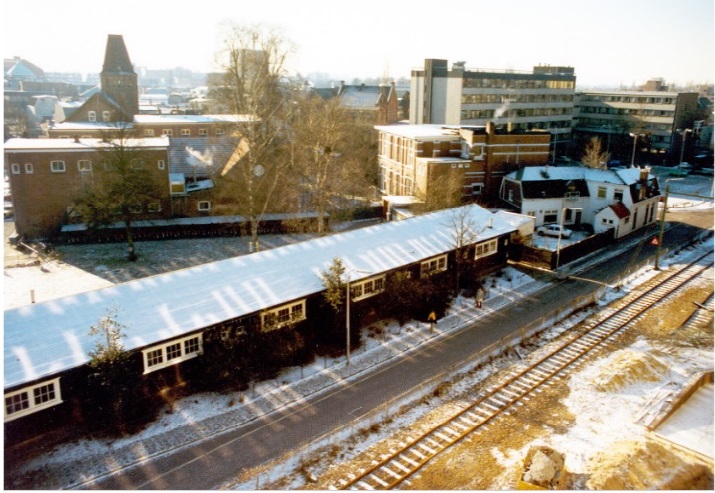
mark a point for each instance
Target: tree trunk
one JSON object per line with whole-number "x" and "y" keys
{"x": 131, "y": 255}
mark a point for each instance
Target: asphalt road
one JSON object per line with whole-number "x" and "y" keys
{"x": 219, "y": 461}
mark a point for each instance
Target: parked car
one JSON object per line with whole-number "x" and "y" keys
{"x": 554, "y": 230}
{"x": 678, "y": 172}
{"x": 685, "y": 166}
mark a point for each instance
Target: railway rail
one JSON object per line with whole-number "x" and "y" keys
{"x": 397, "y": 467}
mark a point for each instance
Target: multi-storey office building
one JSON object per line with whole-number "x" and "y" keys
{"x": 640, "y": 126}
{"x": 542, "y": 99}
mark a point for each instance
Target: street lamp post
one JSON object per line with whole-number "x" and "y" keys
{"x": 662, "y": 221}
{"x": 682, "y": 146}
{"x": 561, "y": 227}
{"x": 347, "y": 312}
{"x": 635, "y": 141}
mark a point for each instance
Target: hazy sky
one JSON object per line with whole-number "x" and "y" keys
{"x": 608, "y": 42}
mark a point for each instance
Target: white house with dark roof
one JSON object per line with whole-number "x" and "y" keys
{"x": 166, "y": 315}
{"x": 619, "y": 199}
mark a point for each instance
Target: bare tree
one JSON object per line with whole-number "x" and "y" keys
{"x": 594, "y": 156}
{"x": 119, "y": 186}
{"x": 254, "y": 87}
{"x": 322, "y": 154}
{"x": 464, "y": 232}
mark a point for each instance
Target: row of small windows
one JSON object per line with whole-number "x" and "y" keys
{"x": 608, "y": 110}
{"x": 32, "y": 399}
{"x": 515, "y": 98}
{"x": 614, "y": 127}
{"x": 518, "y": 83}
{"x": 185, "y": 132}
{"x": 83, "y": 166}
{"x": 171, "y": 353}
{"x": 514, "y": 113}
{"x": 360, "y": 290}
{"x": 629, "y": 99}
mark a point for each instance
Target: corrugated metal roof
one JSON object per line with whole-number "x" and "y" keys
{"x": 44, "y": 339}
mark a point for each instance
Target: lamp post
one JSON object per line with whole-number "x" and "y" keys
{"x": 682, "y": 147}
{"x": 633, "y": 154}
{"x": 347, "y": 312}
{"x": 561, "y": 227}
{"x": 662, "y": 221}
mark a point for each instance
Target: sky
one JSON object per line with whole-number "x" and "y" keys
{"x": 610, "y": 43}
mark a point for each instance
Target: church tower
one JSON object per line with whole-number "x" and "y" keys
{"x": 119, "y": 81}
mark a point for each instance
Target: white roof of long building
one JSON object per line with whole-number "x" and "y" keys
{"x": 46, "y": 338}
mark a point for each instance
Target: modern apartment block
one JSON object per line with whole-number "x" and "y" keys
{"x": 649, "y": 121}
{"x": 539, "y": 100}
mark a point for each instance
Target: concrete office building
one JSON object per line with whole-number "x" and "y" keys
{"x": 517, "y": 100}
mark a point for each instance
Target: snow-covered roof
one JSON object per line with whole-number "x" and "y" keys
{"x": 20, "y": 144}
{"x": 178, "y": 119}
{"x": 44, "y": 339}
{"x": 427, "y": 131}
{"x": 89, "y": 126}
{"x": 547, "y": 173}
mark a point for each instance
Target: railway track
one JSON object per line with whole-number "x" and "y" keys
{"x": 398, "y": 466}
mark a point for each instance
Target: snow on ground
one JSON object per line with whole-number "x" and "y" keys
{"x": 214, "y": 413}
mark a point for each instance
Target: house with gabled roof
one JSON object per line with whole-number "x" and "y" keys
{"x": 377, "y": 105}
{"x": 620, "y": 199}
{"x": 168, "y": 317}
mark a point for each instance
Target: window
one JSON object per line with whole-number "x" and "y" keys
{"x": 204, "y": 205}
{"x": 15, "y": 169}
{"x": 57, "y": 166}
{"x": 601, "y": 192}
{"x": 161, "y": 164}
{"x": 185, "y": 132}
{"x": 84, "y": 165}
{"x": 219, "y": 132}
{"x": 360, "y": 290}
{"x": 167, "y": 131}
{"x": 154, "y": 206}
{"x": 485, "y": 249}
{"x": 28, "y": 168}
{"x": 281, "y": 316}
{"x": 149, "y": 132}
{"x": 92, "y": 116}
{"x": 433, "y": 266}
{"x": 106, "y": 116}
{"x": 551, "y": 216}
{"x": 32, "y": 399}
{"x": 172, "y": 353}
{"x": 618, "y": 195}
{"x": 135, "y": 209}
{"x": 203, "y": 132}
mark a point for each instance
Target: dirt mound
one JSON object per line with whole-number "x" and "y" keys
{"x": 627, "y": 367}
{"x": 646, "y": 466}
{"x": 543, "y": 468}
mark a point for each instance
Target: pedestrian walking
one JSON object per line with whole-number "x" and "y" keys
{"x": 479, "y": 298}
{"x": 432, "y": 319}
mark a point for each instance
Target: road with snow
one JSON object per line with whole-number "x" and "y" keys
{"x": 216, "y": 462}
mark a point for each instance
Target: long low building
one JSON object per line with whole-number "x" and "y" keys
{"x": 164, "y": 315}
